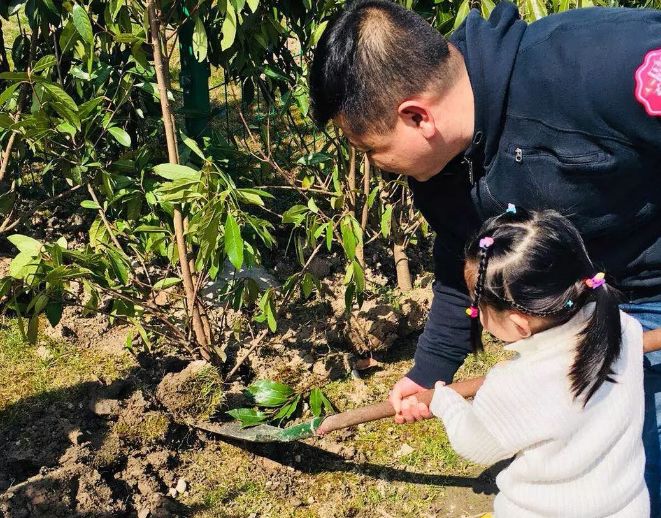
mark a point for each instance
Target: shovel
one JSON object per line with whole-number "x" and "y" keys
{"x": 265, "y": 433}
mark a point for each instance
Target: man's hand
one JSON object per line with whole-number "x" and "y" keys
{"x": 407, "y": 407}
{"x": 652, "y": 340}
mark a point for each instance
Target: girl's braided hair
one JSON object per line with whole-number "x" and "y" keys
{"x": 536, "y": 263}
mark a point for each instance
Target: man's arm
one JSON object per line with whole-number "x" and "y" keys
{"x": 446, "y": 339}
{"x": 442, "y": 348}
{"x": 652, "y": 340}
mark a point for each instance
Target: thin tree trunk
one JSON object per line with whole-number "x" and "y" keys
{"x": 173, "y": 157}
{"x": 352, "y": 199}
{"x": 22, "y": 98}
{"x": 404, "y": 281}
{"x": 366, "y": 193}
{"x": 4, "y": 62}
{"x": 401, "y": 263}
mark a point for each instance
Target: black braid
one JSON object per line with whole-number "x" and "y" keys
{"x": 476, "y": 328}
{"x": 481, "y": 275}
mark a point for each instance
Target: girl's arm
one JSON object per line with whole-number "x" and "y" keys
{"x": 652, "y": 340}
{"x": 469, "y": 436}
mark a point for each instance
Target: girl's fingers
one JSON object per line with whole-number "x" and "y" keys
{"x": 423, "y": 410}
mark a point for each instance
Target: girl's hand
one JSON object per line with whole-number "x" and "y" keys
{"x": 412, "y": 410}
{"x": 404, "y": 391}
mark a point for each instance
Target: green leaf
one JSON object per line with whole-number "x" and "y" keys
{"x": 329, "y": 235}
{"x": 7, "y": 94}
{"x": 45, "y": 62}
{"x": 26, "y": 244}
{"x": 536, "y": 9}
{"x": 386, "y": 221}
{"x": 358, "y": 277}
{"x": 177, "y": 172}
{"x": 287, "y": 410}
{"x": 253, "y": 4}
{"x": 54, "y": 313}
{"x": 61, "y": 96}
{"x": 250, "y": 197}
{"x": 486, "y": 6}
{"x": 33, "y": 329}
{"x": 87, "y": 107}
{"x": 21, "y": 76}
{"x": 118, "y": 266}
{"x": 348, "y": 238}
{"x": 228, "y": 28}
{"x": 82, "y": 23}
{"x": 90, "y": 204}
{"x": 192, "y": 145}
{"x": 23, "y": 265}
{"x": 66, "y": 113}
{"x": 270, "y": 316}
{"x": 274, "y": 74}
{"x": 295, "y": 214}
{"x": 166, "y": 283}
{"x": 38, "y": 303}
{"x": 120, "y": 135}
{"x": 233, "y": 242}
{"x": 462, "y": 12}
{"x": 318, "y": 31}
{"x": 200, "y": 43}
{"x": 115, "y": 6}
{"x": 315, "y": 401}
{"x": 313, "y": 206}
{"x": 248, "y": 416}
{"x": 270, "y": 393}
{"x": 348, "y": 297}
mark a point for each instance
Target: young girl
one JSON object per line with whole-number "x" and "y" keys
{"x": 569, "y": 406}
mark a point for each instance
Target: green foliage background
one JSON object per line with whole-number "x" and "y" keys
{"x": 80, "y": 120}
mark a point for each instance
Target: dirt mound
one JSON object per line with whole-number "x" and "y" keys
{"x": 194, "y": 393}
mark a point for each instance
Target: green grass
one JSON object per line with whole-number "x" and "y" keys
{"x": 25, "y": 374}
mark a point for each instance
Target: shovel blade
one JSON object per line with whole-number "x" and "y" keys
{"x": 263, "y": 433}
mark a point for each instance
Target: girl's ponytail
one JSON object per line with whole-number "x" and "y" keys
{"x": 599, "y": 342}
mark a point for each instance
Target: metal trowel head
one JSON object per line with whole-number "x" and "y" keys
{"x": 263, "y": 432}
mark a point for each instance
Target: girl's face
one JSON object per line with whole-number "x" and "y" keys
{"x": 507, "y": 325}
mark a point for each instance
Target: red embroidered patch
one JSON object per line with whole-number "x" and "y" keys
{"x": 648, "y": 82}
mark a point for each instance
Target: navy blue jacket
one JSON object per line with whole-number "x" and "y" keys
{"x": 557, "y": 126}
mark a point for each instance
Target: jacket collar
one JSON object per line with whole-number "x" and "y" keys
{"x": 489, "y": 48}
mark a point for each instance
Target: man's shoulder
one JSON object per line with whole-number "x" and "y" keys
{"x": 589, "y": 22}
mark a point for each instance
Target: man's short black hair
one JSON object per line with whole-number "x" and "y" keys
{"x": 373, "y": 56}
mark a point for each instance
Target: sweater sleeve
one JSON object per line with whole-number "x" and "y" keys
{"x": 469, "y": 435}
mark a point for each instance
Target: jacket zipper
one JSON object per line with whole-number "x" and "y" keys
{"x": 471, "y": 177}
{"x": 518, "y": 154}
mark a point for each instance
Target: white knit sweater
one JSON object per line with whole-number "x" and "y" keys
{"x": 570, "y": 461}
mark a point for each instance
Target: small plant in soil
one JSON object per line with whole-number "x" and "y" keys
{"x": 278, "y": 403}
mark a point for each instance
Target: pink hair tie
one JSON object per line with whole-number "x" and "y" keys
{"x": 596, "y": 281}
{"x": 471, "y": 311}
{"x": 486, "y": 242}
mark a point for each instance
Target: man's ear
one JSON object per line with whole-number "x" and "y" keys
{"x": 417, "y": 113}
{"x": 521, "y": 323}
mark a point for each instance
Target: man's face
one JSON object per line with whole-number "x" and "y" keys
{"x": 404, "y": 150}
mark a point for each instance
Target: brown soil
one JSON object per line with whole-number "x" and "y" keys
{"x": 121, "y": 450}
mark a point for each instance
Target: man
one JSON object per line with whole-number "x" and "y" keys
{"x": 564, "y": 113}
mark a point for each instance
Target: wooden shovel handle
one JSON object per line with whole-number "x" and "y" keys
{"x": 385, "y": 409}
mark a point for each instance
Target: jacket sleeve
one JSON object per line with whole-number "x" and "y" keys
{"x": 446, "y": 339}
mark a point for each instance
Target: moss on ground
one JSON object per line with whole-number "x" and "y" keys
{"x": 427, "y": 479}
